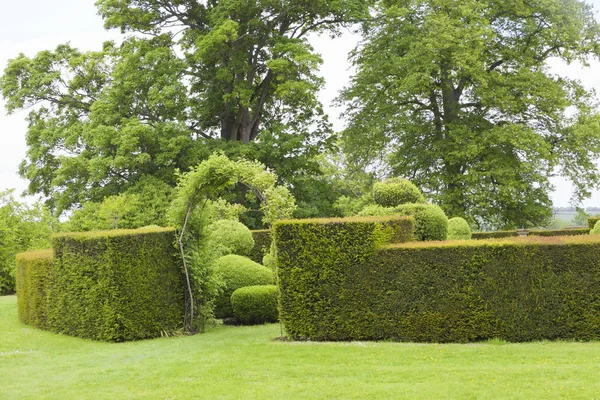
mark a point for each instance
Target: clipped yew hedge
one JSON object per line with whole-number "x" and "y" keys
{"x": 335, "y": 284}
{"x": 592, "y": 221}
{"x": 115, "y": 285}
{"x": 33, "y": 274}
{"x": 262, "y": 244}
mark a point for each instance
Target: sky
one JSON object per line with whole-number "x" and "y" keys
{"x": 49, "y": 23}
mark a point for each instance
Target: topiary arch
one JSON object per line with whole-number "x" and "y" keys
{"x": 195, "y": 190}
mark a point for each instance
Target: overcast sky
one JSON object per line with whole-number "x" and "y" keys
{"x": 29, "y": 27}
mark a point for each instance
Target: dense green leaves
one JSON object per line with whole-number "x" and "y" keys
{"x": 458, "y": 96}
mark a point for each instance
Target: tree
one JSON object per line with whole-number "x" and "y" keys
{"x": 240, "y": 71}
{"x": 458, "y": 97}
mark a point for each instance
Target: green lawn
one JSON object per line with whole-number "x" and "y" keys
{"x": 244, "y": 363}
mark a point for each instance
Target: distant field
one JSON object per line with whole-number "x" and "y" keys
{"x": 245, "y": 363}
{"x": 566, "y": 216}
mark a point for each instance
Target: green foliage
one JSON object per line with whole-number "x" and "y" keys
{"x": 237, "y": 272}
{"x": 458, "y": 229}
{"x": 533, "y": 232}
{"x": 255, "y": 304}
{"x": 395, "y": 191}
{"x": 229, "y": 237}
{"x": 515, "y": 289}
{"x": 22, "y": 228}
{"x": 592, "y": 221}
{"x": 596, "y": 229}
{"x": 376, "y": 210}
{"x": 430, "y": 221}
{"x": 493, "y": 234}
{"x": 262, "y": 244}
{"x": 115, "y": 285}
{"x": 33, "y": 278}
{"x": 459, "y": 97}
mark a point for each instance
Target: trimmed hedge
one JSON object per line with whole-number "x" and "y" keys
{"x": 237, "y": 272}
{"x": 458, "y": 229}
{"x": 535, "y": 232}
{"x": 430, "y": 221}
{"x": 34, "y": 269}
{"x": 262, "y": 244}
{"x": 592, "y": 222}
{"x": 116, "y": 285}
{"x": 341, "y": 287}
{"x": 493, "y": 235}
{"x": 255, "y": 304}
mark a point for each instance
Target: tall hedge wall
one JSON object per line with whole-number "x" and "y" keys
{"x": 33, "y": 276}
{"x": 116, "y": 285}
{"x": 262, "y": 244}
{"x": 334, "y": 286}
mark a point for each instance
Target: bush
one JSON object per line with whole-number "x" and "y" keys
{"x": 33, "y": 277}
{"x": 237, "y": 272}
{"x": 375, "y": 210}
{"x": 592, "y": 221}
{"x": 395, "y": 191}
{"x": 230, "y": 237}
{"x": 255, "y": 304}
{"x": 458, "y": 229}
{"x": 512, "y": 289}
{"x": 116, "y": 285}
{"x": 430, "y": 221}
{"x": 262, "y": 244}
{"x": 596, "y": 229}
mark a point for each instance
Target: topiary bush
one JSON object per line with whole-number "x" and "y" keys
{"x": 375, "y": 210}
{"x": 596, "y": 229}
{"x": 430, "y": 221}
{"x": 396, "y": 191}
{"x": 255, "y": 304}
{"x": 230, "y": 237}
{"x": 33, "y": 277}
{"x": 458, "y": 229}
{"x": 236, "y": 272}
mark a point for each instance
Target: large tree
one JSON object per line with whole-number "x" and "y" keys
{"x": 458, "y": 96}
{"x": 190, "y": 72}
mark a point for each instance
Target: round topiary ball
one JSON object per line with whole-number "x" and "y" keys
{"x": 237, "y": 272}
{"x": 596, "y": 229}
{"x": 430, "y": 221}
{"x": 230, "y": 237}
{"x": 458, "y": 229}
{"x": 395, "y": 191}
{"x": 255, "y": 304}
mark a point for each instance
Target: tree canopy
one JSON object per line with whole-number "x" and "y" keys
{"x": 458, "y": 97}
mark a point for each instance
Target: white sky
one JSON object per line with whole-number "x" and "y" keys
{"x": 29, "y": 27}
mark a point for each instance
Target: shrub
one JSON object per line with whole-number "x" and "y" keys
{"x": 375, "y": 210}
{"x": 237, "y": 272}
{"x": 262, "y": 244}
{"x": 559, "y": 232}
{"x": 230, "y": 237}
{"x": 493, "y": 235}
{"x": 513, "y": 289}
{"x": 395, "y": 191}
{"x": 255, "y": 304}
{"x": 596, "y": 229}
{"x": 116, "y": 285}
{"x": 430, "y": 221}
{"x": 458, "y": 229}
{"x": 33, "y": 277}
{"x": 592, "y": 221}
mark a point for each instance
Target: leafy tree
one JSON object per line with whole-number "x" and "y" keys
{"x": 458, "y": 97}
{"x": 22, "y": 228}
{"x": 239, "y": 71}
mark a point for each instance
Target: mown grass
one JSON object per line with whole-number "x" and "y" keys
{"x": 245, "y": 363}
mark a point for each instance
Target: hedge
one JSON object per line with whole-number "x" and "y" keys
{"x": 262, "y": 244}
{"x": 33, "y": 275}
{"x": 533, "y": 232}
{"x": 255, "y": 304}
{"x": 592, "y": 221}
{"x": 341, "y": 287}
{"x": 493, "y": 235}
{"x": 116, "y": 285}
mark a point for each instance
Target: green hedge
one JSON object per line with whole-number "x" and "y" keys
{"x": 533, "y": 232}
{"x": 592, "y": 221}
{"x": 33, "y": 275}
{"x": 493, "y": 235}
{"x": 340, "y": 287}
{"x": 262, "y": 244}
{"x": 255, "y": 304}
{"x": 116, "y": 285}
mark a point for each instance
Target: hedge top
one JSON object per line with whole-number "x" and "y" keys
{"x": 111, "y": 233}
{"x": 323, "y": 221}
{"x": 528, "y": 240}
{"x": 36, "y": 255}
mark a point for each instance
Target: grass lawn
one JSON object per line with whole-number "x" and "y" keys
{"x": 244, "y": 363}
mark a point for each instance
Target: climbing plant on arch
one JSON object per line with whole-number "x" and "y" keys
{"x": 189, "y": 215}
